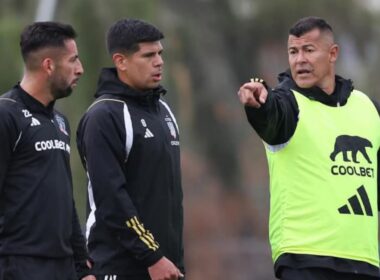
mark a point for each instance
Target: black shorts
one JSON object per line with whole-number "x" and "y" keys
{"x": 34, "y": 268}
{"x": 320, "y": 274}
{"x": 123, "y": 277}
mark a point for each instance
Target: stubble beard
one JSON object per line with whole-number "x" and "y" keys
{"x": 60, "y": 92}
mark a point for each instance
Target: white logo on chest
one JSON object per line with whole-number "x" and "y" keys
{"x": 61, "y": 124}
{"x": 53, "y": 144}
{"x": 35, "y": 122}
{"x": 148, "y": 133}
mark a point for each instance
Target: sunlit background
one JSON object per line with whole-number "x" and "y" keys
{"x": 211, "y": 47}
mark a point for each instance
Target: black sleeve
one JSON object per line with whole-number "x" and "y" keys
{"x": 78, "y": 244}
{"x": 77, "y": 240}
{"x": 377, "y": 106}
{"x": 9, "y": 133}
{"x": 276, "y": 120}
{"x": 101, "y": 142}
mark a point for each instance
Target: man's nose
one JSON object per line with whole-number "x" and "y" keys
{"x": 301, "y": 57}
{"x": 159, "y": 61}
{"x": 80, "y": 69}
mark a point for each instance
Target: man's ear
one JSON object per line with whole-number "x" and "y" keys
{"x": 334, "y": 52}
{"x": 48, "y": 65}
{"x": 120, "y": 60}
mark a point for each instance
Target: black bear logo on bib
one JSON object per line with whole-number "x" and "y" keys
{"x": 353, "y": 144}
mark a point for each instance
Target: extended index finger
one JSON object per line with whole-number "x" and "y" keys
{"x": 247, "y": 97}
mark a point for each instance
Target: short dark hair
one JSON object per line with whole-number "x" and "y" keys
{"x": 307, "y": 24}
{"x": 125, "y": 35}
{"x": 44, "y": 34}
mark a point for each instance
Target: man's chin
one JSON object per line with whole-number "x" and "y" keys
{"x": 63, "y": 93}
{"x": 155, "y": 84}
{"x": 304, "y": 84}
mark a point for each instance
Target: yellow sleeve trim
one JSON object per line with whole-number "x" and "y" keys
{"x": 145, "y": 235}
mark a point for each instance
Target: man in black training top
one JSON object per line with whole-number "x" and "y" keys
{"x": 129, "y": 143}
{"x": 40, "y": 236}
{"x": 322, "y": 140}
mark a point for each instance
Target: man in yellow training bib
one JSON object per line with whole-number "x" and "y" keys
{"x": 322, "y": 139}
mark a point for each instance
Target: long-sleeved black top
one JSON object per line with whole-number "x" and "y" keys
{"x": 275, "y": 122}
{"x": 129, "y": 143}
{"x": 37, "y": 211}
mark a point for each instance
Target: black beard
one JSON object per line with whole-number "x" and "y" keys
{"x": 61, "y": 93}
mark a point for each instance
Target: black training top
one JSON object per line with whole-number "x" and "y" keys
{"x": 37, "y": 212}
{"x": 129, "y": 143}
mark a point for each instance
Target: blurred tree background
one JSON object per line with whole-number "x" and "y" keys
{"x": 211, "y": 47}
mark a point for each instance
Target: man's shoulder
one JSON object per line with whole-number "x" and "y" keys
{"x": 165, "y": 104}
{"x": 105, "y": 103}
{"x": 12, "y": 112}
{"x": 9, "y": 104}
{"x": 377, "y": 106}
{"x": 9, "y": 96}
{"x": 362, "y": 96}
{"x": 103, "y": 111}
